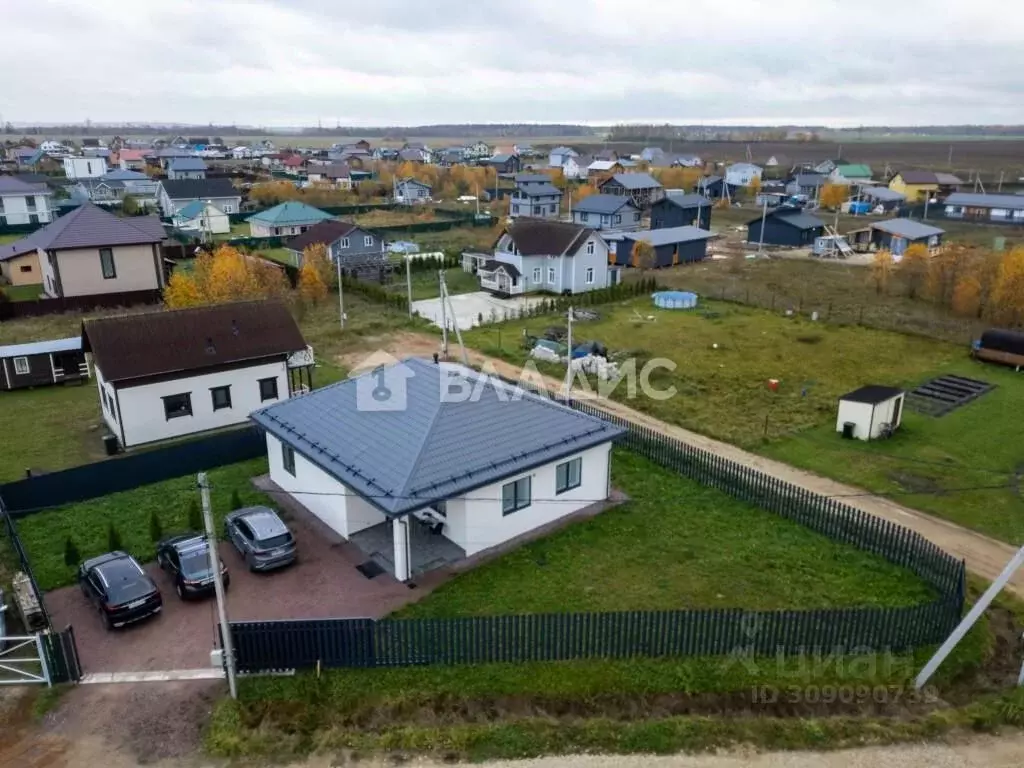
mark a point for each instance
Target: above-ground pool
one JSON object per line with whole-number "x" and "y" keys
{"x": 675, "y": 299}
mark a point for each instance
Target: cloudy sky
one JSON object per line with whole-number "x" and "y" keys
{"x": 410, "y": 62}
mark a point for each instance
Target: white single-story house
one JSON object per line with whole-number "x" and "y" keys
{"x": 870, "y": 412}
{"x": 202, "y": 217}
{"x": 164, "y": 375}
{"x": 447, "y": 464}
{"x": 284, "y": 219}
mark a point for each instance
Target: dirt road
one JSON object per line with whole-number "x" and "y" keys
{"x": 985, "y": 556}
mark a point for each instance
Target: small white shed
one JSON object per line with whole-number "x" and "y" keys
{"x": 870, "y": 412}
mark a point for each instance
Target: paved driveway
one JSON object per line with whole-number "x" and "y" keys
{"x": 470, "y": 306}
{"x": 323, "y": 584}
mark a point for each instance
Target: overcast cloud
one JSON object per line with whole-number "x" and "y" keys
{"x": 412, "y": 62}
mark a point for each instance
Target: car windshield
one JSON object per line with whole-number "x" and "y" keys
{"x": 196, "y": 564}
{"x": 276, "y": 541}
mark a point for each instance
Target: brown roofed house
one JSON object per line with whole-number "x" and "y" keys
{"x": 163, "y": 375}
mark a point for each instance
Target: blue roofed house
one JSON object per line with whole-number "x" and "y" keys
{"x": 606, "y": 212}
{"x": 418, "y": 480}
{"x": 680, "y": 210}
{"x": 641, "y": 188}
{"x": 672, "y": 245}
{"x": 203, "y": 217}
{"x": 544, "y": 255}
{"x": 186, "y": 168}
{"x": 289, "y": 218}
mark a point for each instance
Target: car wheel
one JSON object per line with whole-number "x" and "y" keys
{"x": 179, "y": 590}
{"x": 249, "y": 563}
{"x": 105, "y": 618}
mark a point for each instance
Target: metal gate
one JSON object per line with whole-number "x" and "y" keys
{"x": 44, "y": 658}
{"x": 23, "y": 660}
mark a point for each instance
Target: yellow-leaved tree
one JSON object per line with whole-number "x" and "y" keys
{"x": 881, "y": 271}
{"x": 967, "y": 297}
{"x": 833, "y": 195}
{"x": 225, "y": 275}
{"x": 754, "y": 187}
{"x": 643, "y": 255}
{"x": 1008, "y": 296}
{"x": 311, "y": 285}
{"x": 316, "y": 255}
{"x": 913, "y": 269}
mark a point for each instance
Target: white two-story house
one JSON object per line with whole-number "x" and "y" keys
{"x": 85, "y": 167}
{"x": 543, "y": 255}
{"x": 23, "y": 203}
{"x": 164, "y": 375}
{"x": 535, "y": 196}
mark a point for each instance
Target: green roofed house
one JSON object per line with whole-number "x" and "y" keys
{"x": 202, "y": 216}
{"x": 850, "y": 174}
{"x": 284, "y": 219}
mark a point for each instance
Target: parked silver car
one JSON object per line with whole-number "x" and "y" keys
{"x": 261, "y": 537}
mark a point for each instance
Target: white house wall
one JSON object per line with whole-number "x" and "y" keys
{"x": 475, "y": 521}
{"x": 110, "y": 416}
{"x": 859, "y": 414}
{"x": 335, "y": 505}
{"x": 142, "y": 407}
{"x": 15, "y": 209}
{"x": 884, "y": 413}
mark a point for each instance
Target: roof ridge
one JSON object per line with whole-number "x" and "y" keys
{"x": 407, "y": 490}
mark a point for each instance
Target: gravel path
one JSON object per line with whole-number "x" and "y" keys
{"x": 985, "y": 556}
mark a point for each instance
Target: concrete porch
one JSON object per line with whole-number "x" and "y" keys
{"x": 428, "y": 551}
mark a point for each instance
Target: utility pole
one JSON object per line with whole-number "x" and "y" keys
{"x": 567, "y": 386}
{"x": 949, "y": 160}
{"x": 446, "y": 301}
{"x": 764, "y": 216}
{"x": 1000, "y": 187}
{"x": 218, "y": 585}
{"x": 341, "y": 293}
{"x": 444, "y": 314}
{"x": 408, "y": 280}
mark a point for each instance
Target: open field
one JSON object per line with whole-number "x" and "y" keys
{"x": 44, "y": 533}
{"x": 964, "y": 466}
{"x": 676, "y": 544}
{"x": 425, "y": 284}
{"x": 397, "y": 218}
{"x": 22, "y": 292}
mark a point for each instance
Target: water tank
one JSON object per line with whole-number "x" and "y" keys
{"x": 674, "y": 299}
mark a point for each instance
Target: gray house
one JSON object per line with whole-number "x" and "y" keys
{"x": 806, "y": 184}
{"x": 551, "y": 256}
{"x": 186, "y": 168}
{"x": 357, "y": 248}
{"x": 536, "y": 199}
{"x": 606, "y": 212}
{"x": 641, "y": 188}
{"x": 411, "y": 191}
{"x": 176, "y": 194}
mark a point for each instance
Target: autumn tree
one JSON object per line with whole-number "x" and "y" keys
{"x": 316, "y": 255}
{"x": 678, "y": 178}
{"x": 945, "y": 269}
{"x": 881, "y": 271}
{"x": 913, "y": 269}
{"x": 182, "y": 291}
{"x": 225, "y": 275}
{"x": 312, "y": 287}
{"x": 967, "y": 297}
{"x": 833, "y": 195}
{"x": 754, "y": 187}
{"x": 643, "y": 255}
{"x": 1008, "y": 296}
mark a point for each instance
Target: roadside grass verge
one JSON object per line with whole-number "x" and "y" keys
{"x": 87, "y": 522}
{"x": 675, "y": 545}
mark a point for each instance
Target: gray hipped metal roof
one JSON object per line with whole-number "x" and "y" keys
{"x": 605, "y": 204}
{"x": 685, "y": 200}
{"x": 637, "y": 180}
{"x": 908, "y": 228}
{"x": 436, "y": 446}
{"x": 975, "y": 200}
{"x": 538, "y": 190}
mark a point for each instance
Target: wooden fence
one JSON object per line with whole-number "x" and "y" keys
{"x": 276, "y": 645}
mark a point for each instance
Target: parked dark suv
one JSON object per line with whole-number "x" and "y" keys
{"x": 186, "y": 558}
{"x": 121, "y": 591}
{"x": 261, "y": 537}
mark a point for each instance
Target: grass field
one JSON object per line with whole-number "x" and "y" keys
{"x": 22, "y": 292}
{"x": 425, "y": 284}
{"x": 676, "y": 545}
{"x": 964, "y": 466}
{"x": 44, "y": 533}
{"x": 7, "y": 239}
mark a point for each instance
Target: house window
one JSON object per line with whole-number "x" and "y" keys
{"x": 590, "y": 247}
{"x": 568, "y": 475}
{"x": 25, "y": 268}
{"x": 618, "y": 219}
{"x": 107, "y": 264}
{"x": 537, "y": 275}
{"x": 221, "y": 397}
{"x": 30, "y": 203}
{"x": 584, "y": 216}
{"x": 268, "y": 389}
{"x": 228, "y": 208}
{"x": 343, "y": 243}
{"x": 368, "y": 241}
{"x": 636, "y": 216}
{"x": 590, "y": 275}
{"x": 551, "y": 275}
{"x": 554, "y": 209}
{"x": 536, "y": 210}
{"x": 288, "y": 459}
{"x": 176, "y": 406}
{"x": 21, "y": 366}
{"x": 515, "y": 496}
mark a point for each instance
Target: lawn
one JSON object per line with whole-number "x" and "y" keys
{"x": 7, "y": 239}
{"x": 238, "y": 229}
{"x": 425, "y": 284}
{"x": 676, "y": 545}
{"x": 280, "y": 255}
{"x": 22, "y": 292}
{"x": 44, "y": 533}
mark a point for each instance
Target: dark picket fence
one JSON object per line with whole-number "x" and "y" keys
{"x": 62, "y": 659}
{"x": 89, "y": 481}
{"x": 23, "y": 563}
{"x": 10, "y": 310}
{"x": 276, "y": 645}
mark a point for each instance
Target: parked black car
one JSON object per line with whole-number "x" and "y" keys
{"x": 261, "y": 537}
{"x": 186, "y": 558}
{"x": 121, "y": 591}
